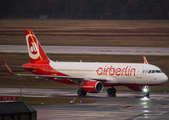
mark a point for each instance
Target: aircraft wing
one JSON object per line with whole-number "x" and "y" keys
{"x": 54, "y": 76}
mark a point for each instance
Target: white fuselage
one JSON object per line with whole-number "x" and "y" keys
{"x": 115, "y": 73}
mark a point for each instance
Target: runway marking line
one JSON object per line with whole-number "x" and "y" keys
{"x": 79, "y": 115}
{"x": 123, "y": 105}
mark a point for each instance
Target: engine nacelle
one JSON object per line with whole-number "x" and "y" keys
{"x": 93, "y": 86}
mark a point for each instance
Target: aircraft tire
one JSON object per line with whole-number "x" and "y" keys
{"x": 147, "y": 94}
{"x": 111, "y": 92}
{"x": 114, "y": 90}
{"x": 81, "y": 93}
{"x": 84, "y": 93}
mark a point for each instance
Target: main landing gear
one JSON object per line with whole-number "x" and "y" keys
{"x": 146, "y": 92}
{"x": 111, "y": 92}
{"x": 81, "y": 93}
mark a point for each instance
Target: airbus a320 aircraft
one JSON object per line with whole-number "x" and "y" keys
{"x": 90, "y": 77}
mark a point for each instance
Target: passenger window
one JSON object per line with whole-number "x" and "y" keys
{"x": 143, "y": 71}
{"x": 149, "y": 71}
{"x": 146, "y": 71}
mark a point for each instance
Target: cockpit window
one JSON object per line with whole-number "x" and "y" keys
{"x": 155, "y": 71}
{"x": 158, "y": 71}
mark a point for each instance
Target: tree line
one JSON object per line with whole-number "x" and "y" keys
{"x": 107, "y": 7}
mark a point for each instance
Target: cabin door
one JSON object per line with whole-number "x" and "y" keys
{"x": 139, "y": 72}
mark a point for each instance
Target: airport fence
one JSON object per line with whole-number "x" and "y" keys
{"x": 87, "y": 16}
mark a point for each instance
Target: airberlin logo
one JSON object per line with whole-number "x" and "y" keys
{"x": 126, "y": 71}
{"x": 33, "y": 46}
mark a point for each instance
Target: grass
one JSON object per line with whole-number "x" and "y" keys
{"x": 76, "y": 24}
{"x": 128, "y": 33}
{"x": 32, "y": 101}
{"x": 6, "y": 80}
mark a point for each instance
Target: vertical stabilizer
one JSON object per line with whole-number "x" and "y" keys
{"x": 36, "y": 53}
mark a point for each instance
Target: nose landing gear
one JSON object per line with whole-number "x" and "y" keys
{"x": 146, "y": 92}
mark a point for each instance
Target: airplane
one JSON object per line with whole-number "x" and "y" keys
{"x": 91, "y": 77}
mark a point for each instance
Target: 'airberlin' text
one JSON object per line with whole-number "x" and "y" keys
{"x": 127, "y": 71}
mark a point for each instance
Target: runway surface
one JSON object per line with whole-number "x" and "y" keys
{"x": 127, "y": 105}
{"x": 90, "y": 50}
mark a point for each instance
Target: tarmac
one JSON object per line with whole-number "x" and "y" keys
{"x": 90, "y": 50}
{"x": 125, "y": 106}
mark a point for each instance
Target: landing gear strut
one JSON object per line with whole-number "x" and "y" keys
{"x": 81, "y": 93}
{"x": 111, "y": 92}
{"x": 146, "y": 92}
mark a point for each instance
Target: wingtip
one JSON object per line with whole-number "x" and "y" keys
{"x": 145, "y": 60}
{"x": 7, "y": 67}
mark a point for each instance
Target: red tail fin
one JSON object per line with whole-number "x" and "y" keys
{"x": 36, "y": 53}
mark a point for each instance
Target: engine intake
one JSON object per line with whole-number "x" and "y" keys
{"x": 93, "y": 86}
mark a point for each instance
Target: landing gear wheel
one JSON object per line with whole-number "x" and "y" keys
{"x": 111, "y": 92}
{"x": 81, "y": 93}
{"x": 146, "y": 92}
{"x": 84, "y": 93}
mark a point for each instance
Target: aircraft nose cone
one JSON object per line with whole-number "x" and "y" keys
{"x": 164, "y": 78}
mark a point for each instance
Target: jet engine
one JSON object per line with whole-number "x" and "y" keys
{"x": 93, "y": 86}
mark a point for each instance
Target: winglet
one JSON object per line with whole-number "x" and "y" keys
{"x": 145, "y": 60}
{"x": 7, "y": 67}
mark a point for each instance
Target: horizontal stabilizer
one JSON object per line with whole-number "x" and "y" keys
{"x": 32, "y": 68}
{"x": 7, "y": 67}
{"x": 23, "y": 67}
